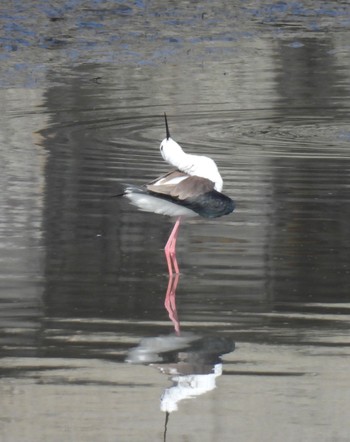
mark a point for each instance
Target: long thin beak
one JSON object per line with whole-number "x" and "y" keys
{"x": 166, "y": 127}
{"x": 166, "y": 425}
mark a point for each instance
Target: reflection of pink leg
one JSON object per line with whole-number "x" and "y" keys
{"x": 170, "y": 303}
{"x": 170, "y": 249}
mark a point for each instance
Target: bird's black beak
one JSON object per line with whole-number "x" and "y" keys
{"x": 166, "y": 127}
{"x": 166, "y": 425}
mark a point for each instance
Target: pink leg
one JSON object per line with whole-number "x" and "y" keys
{"x": 170, "y": 249}
{"x": 170, "y": 303}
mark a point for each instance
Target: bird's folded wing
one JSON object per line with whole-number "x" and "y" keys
{"x": 181, "y": 186}
{"x": 170, "y": 177}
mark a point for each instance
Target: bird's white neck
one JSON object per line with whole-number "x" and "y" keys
{"x": 191, "y": 164}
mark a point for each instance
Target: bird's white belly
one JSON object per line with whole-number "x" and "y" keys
{"x": 149, "y": 203}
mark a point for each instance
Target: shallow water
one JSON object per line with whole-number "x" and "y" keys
{"x": 258, "y": 332}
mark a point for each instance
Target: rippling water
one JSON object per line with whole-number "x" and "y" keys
{"x": 258, "y": 331}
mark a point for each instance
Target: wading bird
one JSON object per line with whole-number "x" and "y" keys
{"x": 192, "y": 188}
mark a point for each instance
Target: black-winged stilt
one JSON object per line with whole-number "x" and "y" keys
{"x": 192, "y": 188}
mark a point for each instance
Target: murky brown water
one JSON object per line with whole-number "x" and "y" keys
{"x": 88, "y": 350}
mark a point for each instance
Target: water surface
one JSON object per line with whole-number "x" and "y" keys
{"x": 258, "y": 331}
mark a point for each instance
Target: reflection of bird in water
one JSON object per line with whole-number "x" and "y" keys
{"x": 192, "y": 362}
{"x": 192, "y": 188}
{"x": 186, "y": 387}
{"x": 193, "y": 370}
{"x": 170, "y": 302}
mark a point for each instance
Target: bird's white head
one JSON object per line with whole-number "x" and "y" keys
{"x": 170, "y": 150}
{"x": 193, "y": 165}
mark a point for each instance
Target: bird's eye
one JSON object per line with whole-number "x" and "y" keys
{"x": 161, "y": 147}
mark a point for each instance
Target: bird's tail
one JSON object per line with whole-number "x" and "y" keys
{"x": 118, "y": 194}
{"x": 129, "y": 188}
